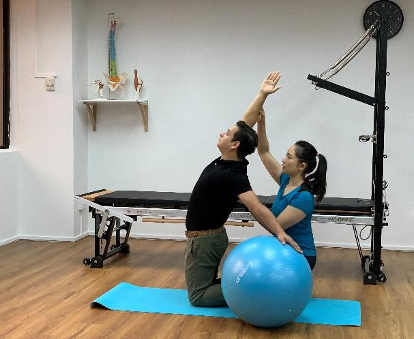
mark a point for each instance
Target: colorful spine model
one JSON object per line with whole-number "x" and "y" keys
{"x": 111, "y": 52}
{"x": 114, "y": 81}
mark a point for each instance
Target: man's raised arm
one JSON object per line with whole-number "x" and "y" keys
{"x": 268, "y": 86}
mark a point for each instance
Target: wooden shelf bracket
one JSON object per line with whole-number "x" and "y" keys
{"x": 143, "y": 107}
{"x": 91, "y": 107}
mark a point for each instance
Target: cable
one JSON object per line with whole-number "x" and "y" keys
{"x": 351, "y": 53}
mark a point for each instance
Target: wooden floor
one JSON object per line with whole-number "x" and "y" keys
{"x": 45, "y": 292}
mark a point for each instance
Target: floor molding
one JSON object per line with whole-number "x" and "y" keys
{"x": 9, "y": 241}
{"x": 183, "y": 238}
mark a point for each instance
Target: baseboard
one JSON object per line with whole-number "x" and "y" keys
{"x": 81, "y": 236}
{"x": 239, "y": 240}
{"x": 49, "y": 238}
{"x": 8, "y": 241}
{"x": 157, "y": 236}
{"x": 182, "y": 238}
{"x": 173, "y": 237}
{"x": 365, "y": 246}
{"x": 341, "y": 245}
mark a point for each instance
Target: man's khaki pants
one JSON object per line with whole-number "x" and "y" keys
{"x": 202, "y": 259}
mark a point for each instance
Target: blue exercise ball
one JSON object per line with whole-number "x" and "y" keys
{"x": 265, "y": 283}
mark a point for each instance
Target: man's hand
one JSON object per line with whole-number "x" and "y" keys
{"x": 284, "y": 238}
{"x": 269, "y": 84}
{"x": 268, "y": 87}
{"x": 266, "y": 218}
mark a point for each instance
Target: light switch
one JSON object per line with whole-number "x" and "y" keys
{"x": 50, "y": 84}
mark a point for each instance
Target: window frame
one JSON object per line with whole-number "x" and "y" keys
{"x": 6, "y": 75}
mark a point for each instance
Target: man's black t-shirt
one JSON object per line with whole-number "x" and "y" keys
{"x": 216, "y": 193}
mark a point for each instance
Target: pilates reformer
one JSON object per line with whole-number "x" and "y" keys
{"x": 372, "y": 264}
{"x": 114, "y": 211}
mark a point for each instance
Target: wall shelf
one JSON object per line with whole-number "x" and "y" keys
{"x": 91, "y": 107}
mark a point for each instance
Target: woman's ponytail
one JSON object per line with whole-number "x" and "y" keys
{"x": 315, "y": 172}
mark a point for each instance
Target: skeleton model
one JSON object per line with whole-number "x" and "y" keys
{"x": 99, "y": 87}
{"x": 114, "y": 81}
{"x": 137, "y": 84}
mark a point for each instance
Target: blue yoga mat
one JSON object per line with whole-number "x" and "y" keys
{"x": 127, "y": 297}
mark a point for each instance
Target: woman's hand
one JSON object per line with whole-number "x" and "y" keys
{"x": 262, "y": 116}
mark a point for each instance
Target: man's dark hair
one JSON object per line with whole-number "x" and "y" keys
{"x": 247, "y": 137}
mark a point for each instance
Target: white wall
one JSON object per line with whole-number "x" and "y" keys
{"x": 202, "y": 63}
{"x": 80, "y": 123}
{"x": 9, "y": 195}
{"x": 42, "y": 122}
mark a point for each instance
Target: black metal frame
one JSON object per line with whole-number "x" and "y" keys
{"x": 112, "y": 224}
{"x": 372, "y": 264}
{"x": 6, "y": 74}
